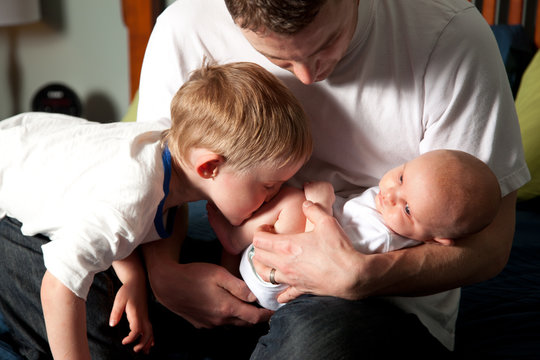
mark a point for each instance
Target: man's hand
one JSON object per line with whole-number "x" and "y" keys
{"x": 320, "y": 262}
{"x": 204, "y": 294}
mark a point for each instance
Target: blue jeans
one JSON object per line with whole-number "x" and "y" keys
{"x": 318, "y": 327}
{"x": 310, "y": 327}
{"x": 21, "y": 272}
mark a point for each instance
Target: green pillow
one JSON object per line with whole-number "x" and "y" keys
{"x": 528, "y": 110}
{"x": 131, "y": 114}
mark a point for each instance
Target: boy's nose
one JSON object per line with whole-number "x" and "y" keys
{"x": 270, "y": 195}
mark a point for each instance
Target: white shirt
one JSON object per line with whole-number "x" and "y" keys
{"x": 93, "y": 189}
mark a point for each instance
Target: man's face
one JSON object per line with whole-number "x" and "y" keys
{"x": 313, "y": 53}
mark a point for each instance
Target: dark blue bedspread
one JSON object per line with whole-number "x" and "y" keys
{"x": 500, "y": 318}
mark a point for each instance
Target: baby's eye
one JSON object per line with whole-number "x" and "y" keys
{"x": 407, "y": 210}
{"x": 401, "y": 179}
{"x": 269, "y": 187}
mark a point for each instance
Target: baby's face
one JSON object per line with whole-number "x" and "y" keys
{"x": 411, "y": 199}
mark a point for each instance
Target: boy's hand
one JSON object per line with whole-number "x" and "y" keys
{"x": 132, "y": 299}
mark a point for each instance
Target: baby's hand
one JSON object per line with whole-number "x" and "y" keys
{"x": 322, "y": 193}
{"x": 132, "y": 299}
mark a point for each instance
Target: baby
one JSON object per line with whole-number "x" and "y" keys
{"x": 438, "y": 197}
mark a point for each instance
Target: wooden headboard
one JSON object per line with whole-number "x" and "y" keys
{"x": 140, "y": 16}
{"x": 513, "y": 12}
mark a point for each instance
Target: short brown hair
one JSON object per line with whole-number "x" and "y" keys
{"x": 241, "y": 112}
{"x": 278, "y": 16}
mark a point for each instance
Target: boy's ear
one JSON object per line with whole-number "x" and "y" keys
{"x": 207, "y": 163}
{"x": 444, "y": 241}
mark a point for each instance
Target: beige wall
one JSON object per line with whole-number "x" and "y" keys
{"x": 81, "y": 43}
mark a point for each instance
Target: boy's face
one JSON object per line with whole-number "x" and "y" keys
{"x": 313, "y": 53}
{"x": 411, "y": 199}
{"x": 239, "y": 194}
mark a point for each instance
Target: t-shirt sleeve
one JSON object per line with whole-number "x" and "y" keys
{"x": 471, "y": 95}
{"x": 87, "y": 246}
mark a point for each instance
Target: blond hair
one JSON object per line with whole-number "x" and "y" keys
{"x": 241, "y": 112}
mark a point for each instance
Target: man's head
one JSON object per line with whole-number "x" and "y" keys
{"x": 306, "y": 37}
{"x": 440, "y": 196}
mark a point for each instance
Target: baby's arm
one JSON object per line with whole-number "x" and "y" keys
{"x": 132, "y": 298}
{"x": 283, "y": 212}
{"x": 65, "y": 320}
{"x": 322, "y": 193}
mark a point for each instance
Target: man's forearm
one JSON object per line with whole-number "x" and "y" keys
{"x": 431, "y": 268}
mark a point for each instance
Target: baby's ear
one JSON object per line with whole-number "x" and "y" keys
{"x": 444, "y": 241}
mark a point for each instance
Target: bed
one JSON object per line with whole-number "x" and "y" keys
{"x": 499, "y": 318}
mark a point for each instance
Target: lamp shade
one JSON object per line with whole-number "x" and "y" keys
{"x": 18, "y": 12}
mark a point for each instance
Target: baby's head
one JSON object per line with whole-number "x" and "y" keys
{"x": 241, "y": 112}
{"x": 439, "y": 196}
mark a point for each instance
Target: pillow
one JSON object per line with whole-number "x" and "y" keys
{"x": 131, "y": 114}
{"x": 528, "y": 110}
{"x": 516, "y": 51}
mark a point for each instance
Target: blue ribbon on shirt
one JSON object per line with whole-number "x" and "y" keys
{"x": 158, "y": 219}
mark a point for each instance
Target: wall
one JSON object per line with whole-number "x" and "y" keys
{"x": 80, "y": 43}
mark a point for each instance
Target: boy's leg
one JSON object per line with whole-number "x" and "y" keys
{"x": 21, "y": 272}
{"x": 318, "y": 327}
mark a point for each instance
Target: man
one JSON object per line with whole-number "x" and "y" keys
{"x": 382, "y": 81}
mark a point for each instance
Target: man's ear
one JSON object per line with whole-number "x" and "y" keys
{"x": 206, "y": 163}
{"x": 444, "y": 241}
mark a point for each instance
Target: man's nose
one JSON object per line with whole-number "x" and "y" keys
{"x": 306, "y": 71}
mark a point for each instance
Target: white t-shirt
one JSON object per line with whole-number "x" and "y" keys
{"x": 419, "y": 75}
{"x": 93, "y": 189}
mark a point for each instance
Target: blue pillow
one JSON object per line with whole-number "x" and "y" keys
{"x": 516, "y": 49}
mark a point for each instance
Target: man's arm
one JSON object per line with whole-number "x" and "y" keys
{"x": 323, "y": 262}
{"x": 206, "y": 295}
{"x": 65, "y": 320}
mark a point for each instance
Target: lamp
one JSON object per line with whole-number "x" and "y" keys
{"x": 14, "y": 13}
{"x": 18, "y": 12}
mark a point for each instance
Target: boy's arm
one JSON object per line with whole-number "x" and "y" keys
{"x": 65, "y": 320}
{"x": 132, "y": 298}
